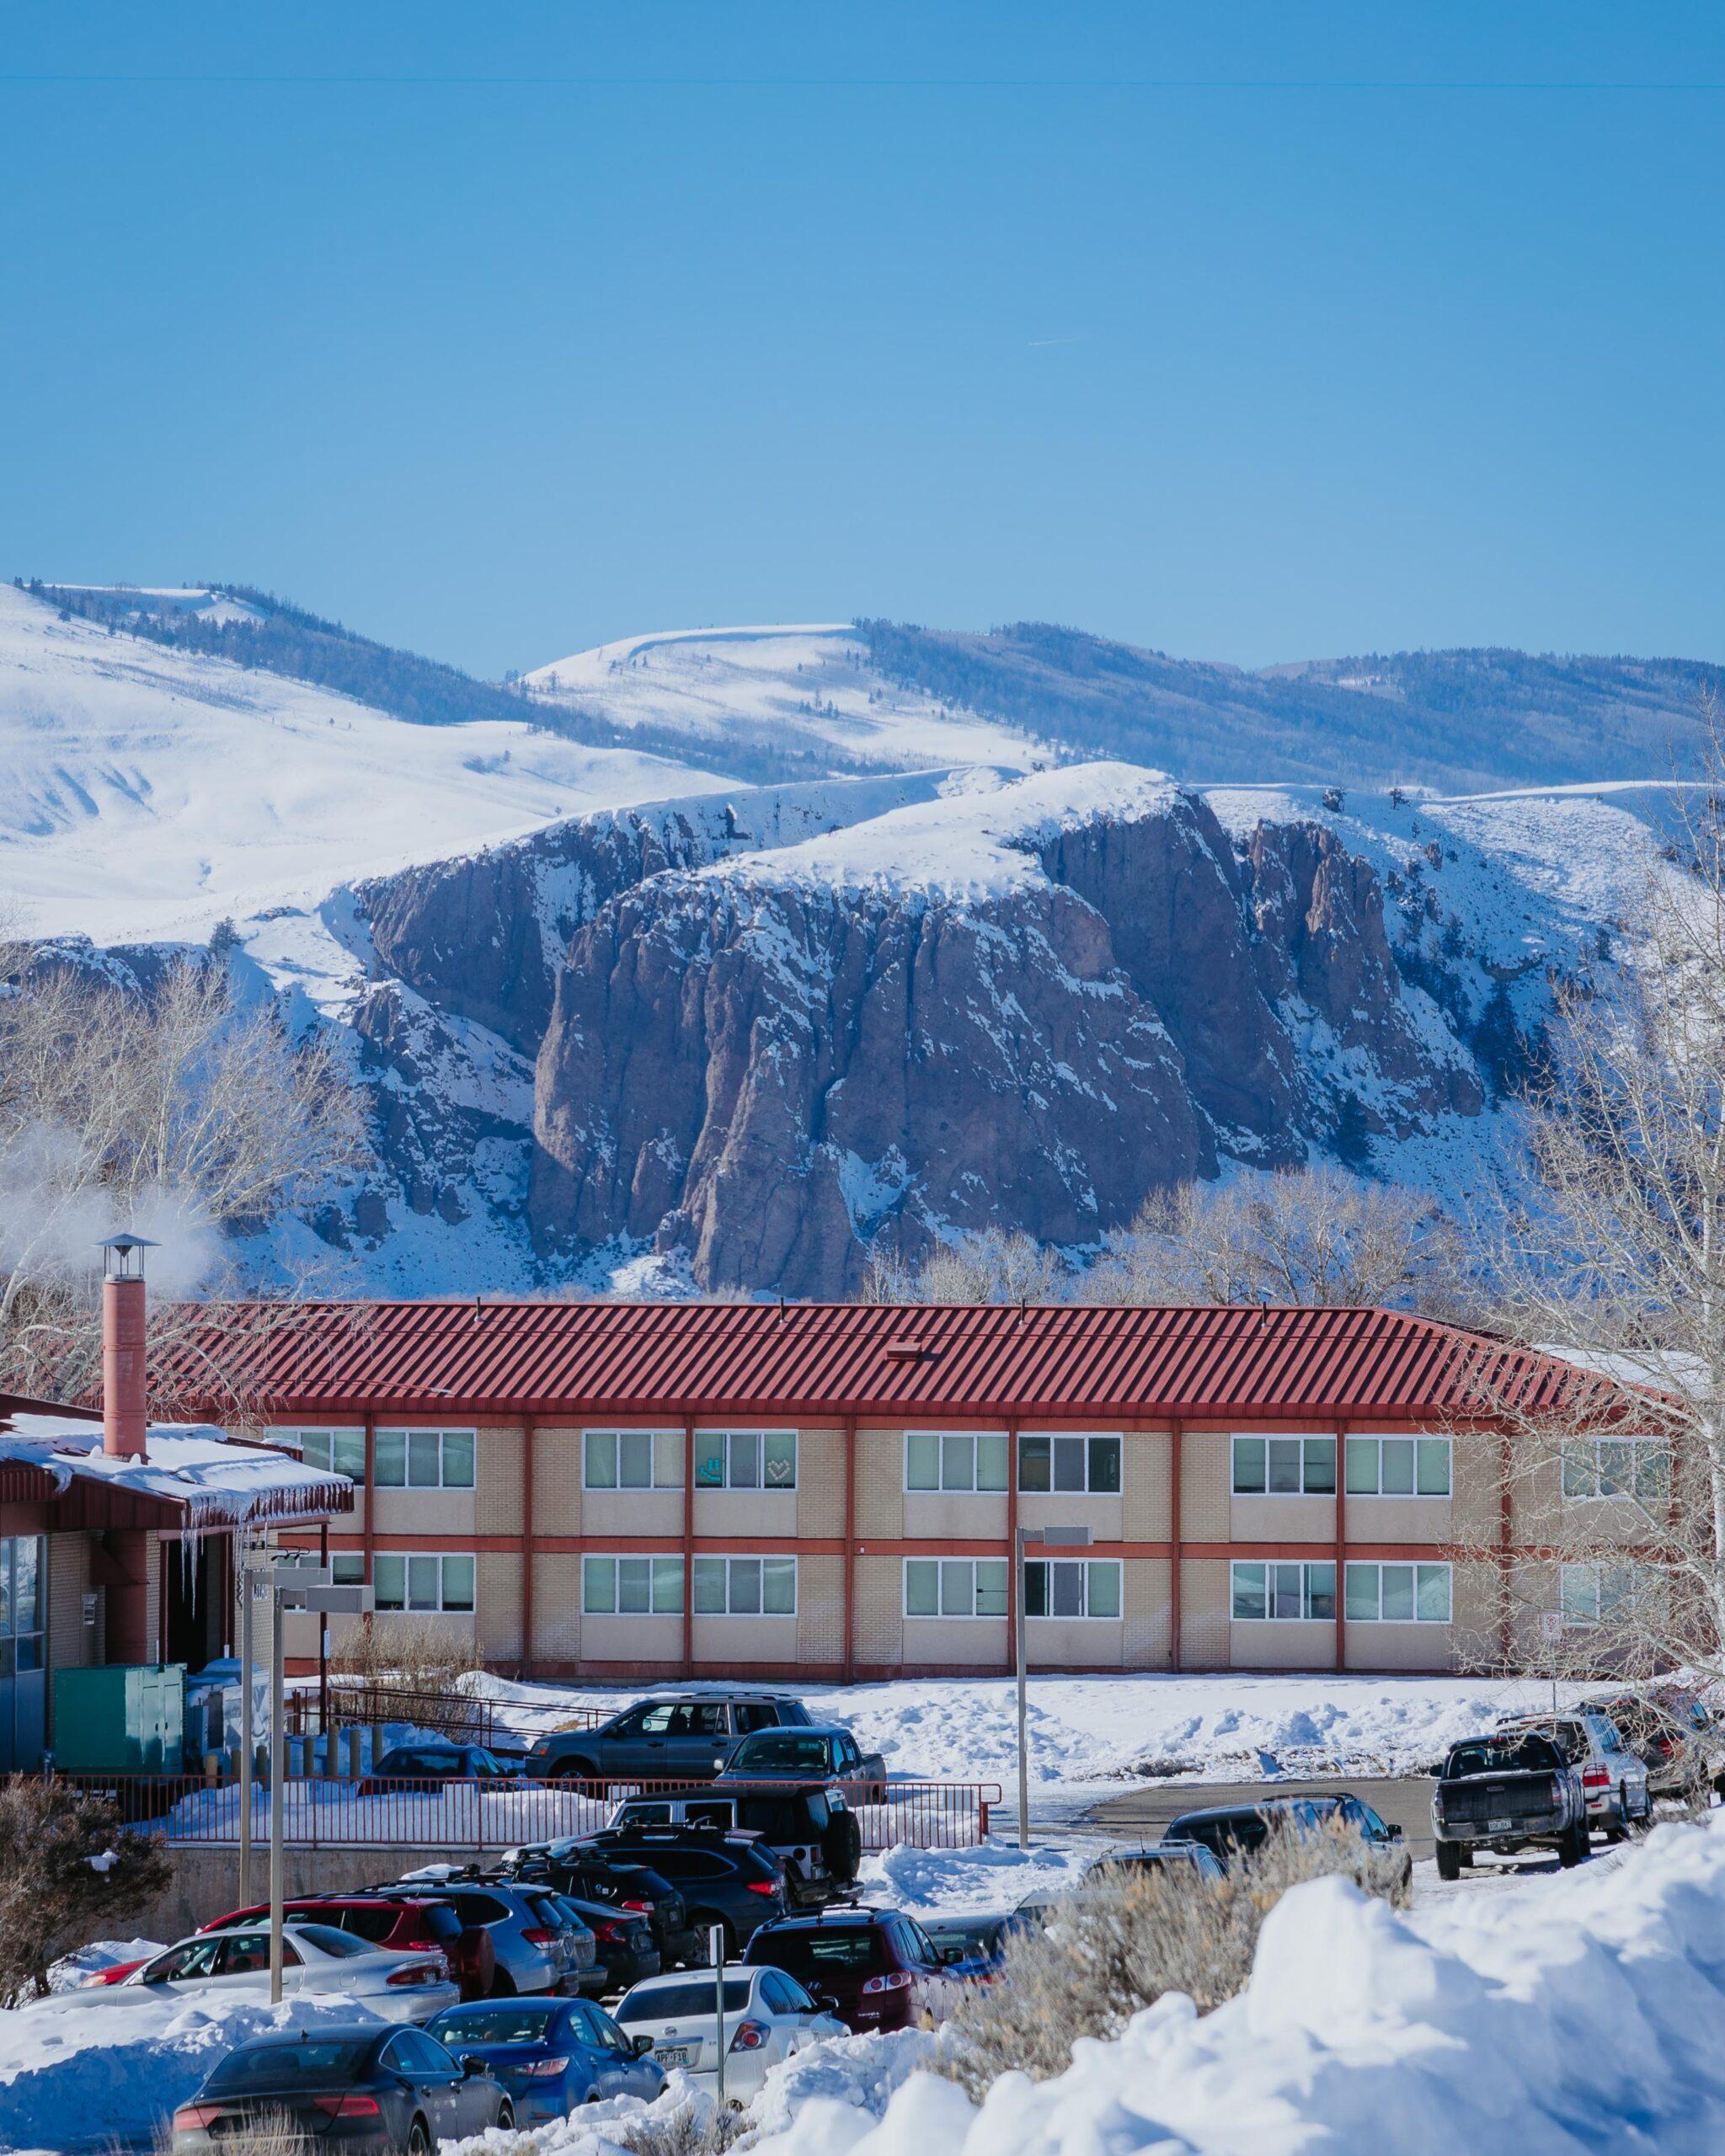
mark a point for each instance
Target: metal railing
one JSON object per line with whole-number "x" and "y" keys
{"x": 463, "y": 1815}
{"x": 364, "y": 1702}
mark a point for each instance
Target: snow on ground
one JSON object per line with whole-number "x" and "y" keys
{"x": 804, "y": 686}
{"x": 71, "y": 1970}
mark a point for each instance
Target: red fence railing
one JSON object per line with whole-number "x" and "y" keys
{"x": 367, "y": 1702}
{"x": 372, "y": 1812}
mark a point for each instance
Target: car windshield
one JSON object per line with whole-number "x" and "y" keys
{"x": 975, "y": 1934}
{"x": 782, "y": 1747}
{"x": 1520, "y": 1753}
{"x": 497, "y": 2024}
{"x": 687, "y": 2002}
{"x": 307, "y": 2065}
{"x": 807, "y": 1953}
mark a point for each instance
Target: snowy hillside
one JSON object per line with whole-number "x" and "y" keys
{"x": 145, "y": 793}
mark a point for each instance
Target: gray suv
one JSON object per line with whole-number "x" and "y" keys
{"x": 541, "y": 1943}
{"x": 675, "y": 1739}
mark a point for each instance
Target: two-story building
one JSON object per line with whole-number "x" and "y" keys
{"x": 609, "y": 1490}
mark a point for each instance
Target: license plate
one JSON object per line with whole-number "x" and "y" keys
{"x": 1498, "y": 1826}
{"x": 673, "y": 2054}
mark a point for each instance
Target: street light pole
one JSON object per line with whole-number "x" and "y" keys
{"x": 248, "y": 1731}
{"x": 278, "y": 1756}
{"x": 1067, "y": 1538}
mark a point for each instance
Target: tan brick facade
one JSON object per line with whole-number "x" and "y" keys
{"x": 880, "y": 1484}
{"x": 820, "y": 1483}
{"x": 1206, "y": 1473}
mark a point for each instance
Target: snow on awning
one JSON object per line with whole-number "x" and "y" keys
{"x": 211, "y": 1480}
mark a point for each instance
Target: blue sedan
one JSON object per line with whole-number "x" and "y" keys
{"x": 550, "y": 2054}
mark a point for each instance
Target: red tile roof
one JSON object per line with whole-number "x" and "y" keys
{"x": 1058, "y": 1361}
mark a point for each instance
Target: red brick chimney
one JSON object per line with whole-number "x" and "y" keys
{"x": 126, "y": 1414}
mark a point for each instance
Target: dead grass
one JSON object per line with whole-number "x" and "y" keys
{"x": 269, "y": 2133}
{"x": 695, "y": 2127}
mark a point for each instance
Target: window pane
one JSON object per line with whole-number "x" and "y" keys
{"x": 990, "y": 1587}
{"x": 348, "y": 1455}
{"x": 778, "y": 1587}
{"x": 1036, "y": 1589}
{"x": 314, "y": 1448}
{"x": 1362, "y": 1581}
{"x": 1616, "y": 1589}
{"x": 991, "y": 1461}
{"x": 29, "y": 1651}
{"x": 955, "y": 1597}
{"x": 1616, "y": 1468}
{"x": 709, "y": 1460}
{"x": 1399, "y": 1467}
{"x": 1651, "y": 1479}
{"x": 667, "y": 1587}
{"x": 1398, "y": 1594}
{"x": 744, "y": 1587}
{"x": 780, "y": 1457}
{"x": 1321, "y": 1467}
{"x": 347, "y": 1568}
{"x": 1285, "y": 1466}
{"x": 5, "y": 1561}
{"x": 1035, "y": 1469}
{"x": 1433, "y": 1602}
{"x": 709, "y": 1586}
{"x": 1362, "y": 1467}
{"x": 1434, "y": 1466}
{"x": 422, "y": 1582}
{"x": 1068, "y": 1585}
{"x": 1068, "y": 1463}
{"x": 1580, "y": 1594}
{"x": 1320, "y": 1592}
{"x": 457, "y": 1460}
{"x": 1249, "y": 1600}
{"x": 1579, "y": 1468}
{"x": 389, "y": 1582}
{"x": 1249, "y": 1466}
{"x": 457, "y": 1582}
{"x": 668, "y": 1459}
{"x": 922, "y": 1588}
{"x": 1105, "y": 1465}
{"x": 601, "y": 1459}
{"x": 390, "y": 1454}
{"x": 423, "y": 1449}
{"x": 635, "y": 1587}
{"x": 634, "y": 1460}
{"x": 958, "y": 1461}
{"x": 1103, "y": 1589}
{"x": 744, "y": 1460}
{"x": 921, "y": 1460}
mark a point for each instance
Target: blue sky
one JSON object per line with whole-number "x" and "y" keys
{"x": 1250, "y": 332}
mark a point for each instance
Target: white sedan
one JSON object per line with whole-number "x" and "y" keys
{"x": 315, "y": 1957}
{"x": 767, "y": 2016}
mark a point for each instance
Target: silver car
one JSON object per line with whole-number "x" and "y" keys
{"x": 1619, "y": 1801}
{"x": 538, "y": 1945}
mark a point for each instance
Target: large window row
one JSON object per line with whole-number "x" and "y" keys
{"x": 725, "y": 1586}
{"x": 402, "y": 1460}
{"x": 1376, "y": 1467}
{"x": 978, "y": 1586}
{"x": 977, "y": 1459}
{"x": 1617, "y": 1467}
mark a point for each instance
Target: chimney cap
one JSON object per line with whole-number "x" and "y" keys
{"x": 124, "y": 1259}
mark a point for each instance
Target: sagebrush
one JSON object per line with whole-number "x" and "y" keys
{"x": 265, "y": 2133}
{"x": 70, "y": 1871}
{"x": 1114, "y": 1947}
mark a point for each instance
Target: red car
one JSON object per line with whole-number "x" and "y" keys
{"x": 880, "y": 1968}
{"x": 396, "y": 1921}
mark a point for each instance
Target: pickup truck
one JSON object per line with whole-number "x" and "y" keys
{"x": 1506, "y": 1791}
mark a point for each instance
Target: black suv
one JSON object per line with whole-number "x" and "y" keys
{"x": 811, "y": 1830}
{"x": 727, "y": 1879}
{"x": 684, "y": 1739}
{"x": 586, "y": 1874}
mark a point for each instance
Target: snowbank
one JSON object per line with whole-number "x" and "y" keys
{"x": 994, "y": 1876}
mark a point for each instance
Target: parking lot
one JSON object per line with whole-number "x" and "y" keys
{"x": 1144, "y": 1813}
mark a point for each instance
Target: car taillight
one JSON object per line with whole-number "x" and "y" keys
{"x": 750, "y": 2035}
{"x": 538, "y": 1938}
{"x": 348, "y": 2107}
{"x": 764, "y": 1887}
{"x": 607, "y": 1928}
{"x": 894, "y": 1980}
{"x": 420, "y": 1973}
{"x": 641, "y": 1908}
{"x": 1596, "y": 1778}
{"x": 540, "y": 2068}
{"x": 193, "y": 2118}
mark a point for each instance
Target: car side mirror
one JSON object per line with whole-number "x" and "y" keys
{"x": 641, "y": 2044}
{"x": 1395, "y": 1834}
{"x": 950, "y": 1954}
{"x": 471, "y": 2064}
{"x": 826, "y": 2003}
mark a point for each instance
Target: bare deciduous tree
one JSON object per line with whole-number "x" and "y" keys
{"x": 67, "y": 1867}
{"x": 997, "y": 1266}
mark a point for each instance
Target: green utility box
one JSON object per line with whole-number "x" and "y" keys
{"x": 128, "y": 1718}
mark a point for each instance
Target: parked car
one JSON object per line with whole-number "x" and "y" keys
{"x": 397, "y": 1987}
{"x": 1192, "y": 1860}
{"x": 1231, "y": 1832}
{"x": 1672, "y": 1734}
{"x": 376, "y": 2092}
{"x": 587, "y": 1874}
{"x": 767, "y": 2015}
{"x": 550, "y": 2055}
{"x": 880, "y": 1968}
{"x": 673, "y": 1739}
{"x": 969, "y": 1946}
{"x": 1619, "y": 1801}
{"x": 1509, "y": 1790}
{"x": 810, "y": 1829}
{"x": 538, "y": 1946}
{"x": 427, "y": 1766}
{"x": 730, "y": 1879}
{"x": 821, "y": 1752}
{"x": 398, "y": 1921}
{"x": 626, "y": 1951}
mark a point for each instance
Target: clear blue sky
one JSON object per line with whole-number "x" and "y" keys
{"x": 1253, "y": 332}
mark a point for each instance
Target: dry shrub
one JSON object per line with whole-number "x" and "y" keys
{"x": 70, "y": 1871}
{"x": 264, "y": 2133}
{"x": 1130, "y": 1935}
{"x": 694, "y": 2127}
{"x": 413, "y": 1656}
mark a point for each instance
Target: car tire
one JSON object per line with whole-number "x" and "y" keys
{"x": 574, "y": 1770}
{"x": 506, "y": 2116}
{"x": 700, "y": 1922}
{"x": 419, "y": 2139}
{"x": 1574, "y": 1848}
{"x": 502, "y": 1985}
{"x": 1449, "y": 1861}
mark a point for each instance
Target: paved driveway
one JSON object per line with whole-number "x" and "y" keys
{"x": 1143, "y": 1813}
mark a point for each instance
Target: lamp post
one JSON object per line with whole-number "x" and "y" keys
{"x": 1057, "y": 1538}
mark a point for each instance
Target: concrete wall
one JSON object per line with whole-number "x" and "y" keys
{"x": 206, "y": 1882}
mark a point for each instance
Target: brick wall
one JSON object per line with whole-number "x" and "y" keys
{"x": 820, "y": 1482}
{"x": 820, "y": 1608}
{"x": 1144, "y": 1606}
{"x": 880, "y": 1483}
{"x": 498, "y": 1476}
{"x": 557, "y": 1481}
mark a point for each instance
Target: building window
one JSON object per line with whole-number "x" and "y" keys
{"x": 632, "y": 1587}
{"x": 424, "y": 1459}
{"x": 955, "y": 1460}
{"x": 955, "y": 1587}
{"x": 347, "y": 1568}
{"x": 1284, "y": 1593}
{"x": 745, "y": 1459}
{"x": 1059, "y": 1587}
{"x": 1284, "y": 1467}
{"x": 746, "y": 1587}
{"x": 1398, "y": 1594}
{"x": 343, "y": 1452}
{"x": 24, "y": 1603}
{"x": 1399, "y": 1467}
{"x": 1596, "y": 1593}
{"x": 1070, "y": 1464}
{"x": 423, "y": 1580}
{"x": 1617, "y": 1467}
{"x": 629, "y": 1460}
